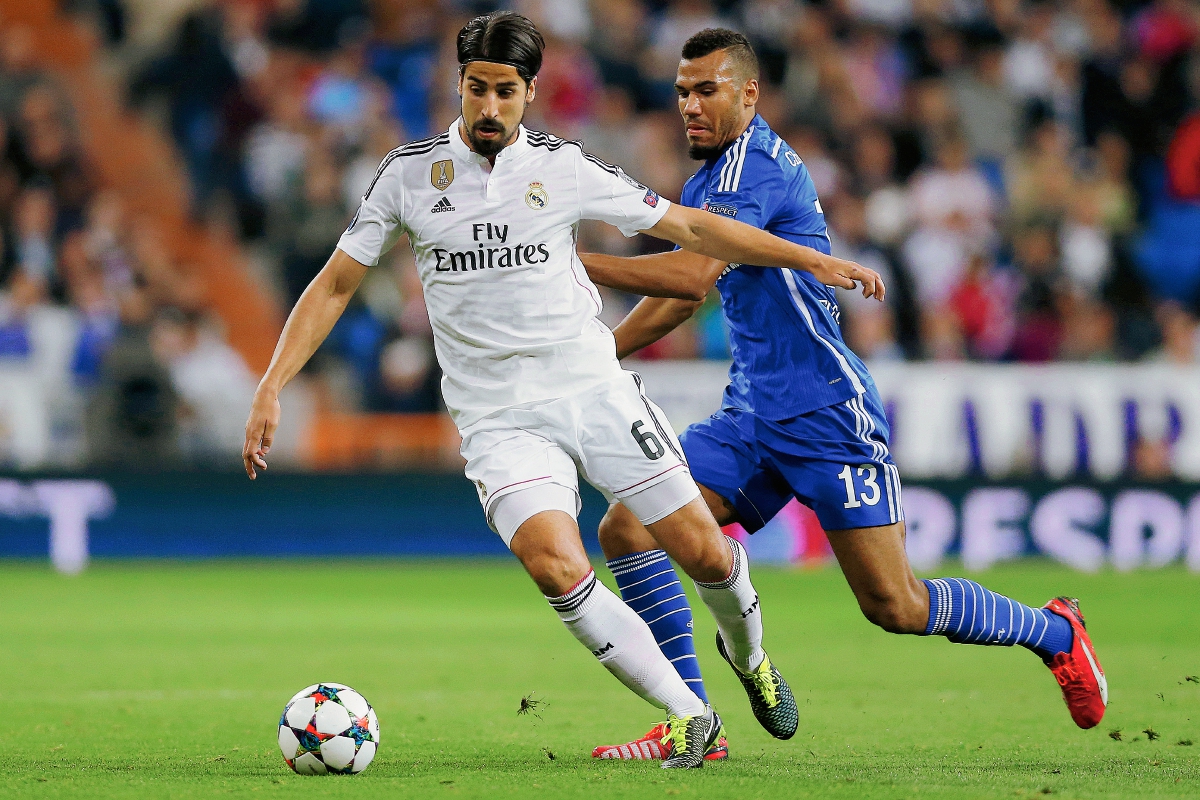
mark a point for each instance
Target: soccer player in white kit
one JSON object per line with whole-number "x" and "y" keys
{"x": 531, "y": 377}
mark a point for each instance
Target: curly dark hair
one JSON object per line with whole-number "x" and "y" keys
{"x": 711, "y": 40}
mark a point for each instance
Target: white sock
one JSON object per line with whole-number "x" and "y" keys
{"x": 734, "y": 604}
{"x": 623, "y": 643}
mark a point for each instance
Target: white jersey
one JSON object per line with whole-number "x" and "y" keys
{"x": 512, "y": 308}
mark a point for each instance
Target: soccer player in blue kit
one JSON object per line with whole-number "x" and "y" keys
{"x": 801, "y": 416}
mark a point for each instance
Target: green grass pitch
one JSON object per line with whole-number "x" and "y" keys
{"x": 147, "y": 680}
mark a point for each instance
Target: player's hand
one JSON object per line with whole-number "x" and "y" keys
{"x": 260, "y": 430}
{"x": 833, "y": 271}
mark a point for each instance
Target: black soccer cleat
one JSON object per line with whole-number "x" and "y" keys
{"x": 690, "y": 738}
{"x": 770, "y": 697}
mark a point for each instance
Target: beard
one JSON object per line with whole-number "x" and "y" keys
{"x": 701, "y": 153}
{"x": 488, "y": 147}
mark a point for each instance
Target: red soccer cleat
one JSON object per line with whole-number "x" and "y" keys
{"x": 1084, "y": 687}
{"x": 650, "y": 747}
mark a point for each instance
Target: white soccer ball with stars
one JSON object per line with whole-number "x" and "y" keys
{"x": 328, "y": 728}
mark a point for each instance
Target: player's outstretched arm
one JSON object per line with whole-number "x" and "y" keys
{"x": 307, "y": 326}
{"x": 732, "y": 241}
{"x": 687, "y": 276}
{"x": 650, "y": 320}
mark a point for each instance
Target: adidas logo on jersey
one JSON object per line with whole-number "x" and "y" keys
{"x": 441, "y": 205}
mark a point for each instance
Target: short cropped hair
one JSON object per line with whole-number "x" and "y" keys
{"x": 504, "y": 37}
{"x": 711, "y": 40}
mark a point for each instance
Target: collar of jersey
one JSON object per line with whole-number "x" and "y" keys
{"x": 460, "y": 149}
{"x": 757, "y": 122}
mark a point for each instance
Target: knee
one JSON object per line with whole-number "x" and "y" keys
{"x": 620, "y": 533}
{"x": 899, "y": 612}
{"x": 611, "y": 532}
{"x": 555, "y": 572}
{"x": 711, "y": 560}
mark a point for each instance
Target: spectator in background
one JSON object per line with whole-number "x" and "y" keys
{"x": 212, "y": 382}
{"x": 50, "y": 153}
{"x": 869, "y": 326}
{"x": 1085, "y": 244}
{"x": 954, "y": 210}
{"x": 1088, "y": 331}
{"x": 34, "y": 228}
{"x": 309, "y": 221}
{"x": 982, "y": 308}
{"x": 1180, "y": 335}
{"x": 277, "y": 147}
{"x": 131, "y": 418}
{"x": 1039, "y": 330}
{"x": 886, "y": 209}
{"x": 196, "y": 77}
{"x": 1041, "y": 179}
{"x": 19, "y": 71}
{"x": 990, "y": 115}
{"x": 618, "y": 44}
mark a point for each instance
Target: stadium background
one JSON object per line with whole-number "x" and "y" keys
{"x": 1026, "y": 175}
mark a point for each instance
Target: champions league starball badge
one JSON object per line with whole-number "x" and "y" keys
{"x": 536, "y": 198}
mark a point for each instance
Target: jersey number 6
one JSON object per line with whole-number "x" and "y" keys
{"x": 852, "y": 501}
{"x": 646, "y": 440}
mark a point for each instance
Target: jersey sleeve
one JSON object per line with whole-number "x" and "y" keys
{"x": 378, "y": 223}
{"x": 606, "y": 193}
{"x": 750, "y": 189}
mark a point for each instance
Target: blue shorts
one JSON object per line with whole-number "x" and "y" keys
{"x": 834, "y": 460}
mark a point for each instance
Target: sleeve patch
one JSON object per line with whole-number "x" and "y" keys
{"x": 651, "y": 199}
{"x": 718, "y": 208}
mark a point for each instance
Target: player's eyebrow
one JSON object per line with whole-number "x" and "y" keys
{"x": 484, "y": 84}
{"x": 696, "y": 86}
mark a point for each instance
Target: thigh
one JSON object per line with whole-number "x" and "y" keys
{"x": 836, "y": 461}
{"x": 507, "y": 454}
{"x": 621, "y": 441}
{"x": 737, "y": 485}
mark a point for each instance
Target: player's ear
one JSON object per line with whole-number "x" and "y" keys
{"x": 750, "y": 92}
{"x": 531, "y": 89}
{"x": 462, "y": 73}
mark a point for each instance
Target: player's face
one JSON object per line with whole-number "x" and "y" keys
{"x": 494, "y": 97}
{"x": 715, "y": 103}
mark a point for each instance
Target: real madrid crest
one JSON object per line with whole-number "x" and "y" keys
{"x": 536, "y": 198}
{"x": 441, "y": 174}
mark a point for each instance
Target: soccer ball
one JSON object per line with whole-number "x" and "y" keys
{"x": 328, "y": 727}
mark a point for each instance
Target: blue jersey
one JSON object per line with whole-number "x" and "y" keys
{"x": 788, "y": 354}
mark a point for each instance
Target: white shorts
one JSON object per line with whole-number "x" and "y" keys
{"x": 611, "y": 433}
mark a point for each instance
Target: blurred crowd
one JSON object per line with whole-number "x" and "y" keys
{"x": 105, "y": 341}
{"x": 1025, "y": 173}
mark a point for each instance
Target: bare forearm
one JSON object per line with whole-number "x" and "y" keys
{"x": 735, "y": 242}
{"x": 680, "y": 274}
{"x": 314, "y": 316}
{"x": 650, "y": 320}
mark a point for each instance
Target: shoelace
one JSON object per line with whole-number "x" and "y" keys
{"x": 765, "y": 683}
{"x": 676, "y": 735}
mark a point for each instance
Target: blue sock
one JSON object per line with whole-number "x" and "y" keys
{"x": 650, "y": 587}
{"x": 965, "y": 612}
